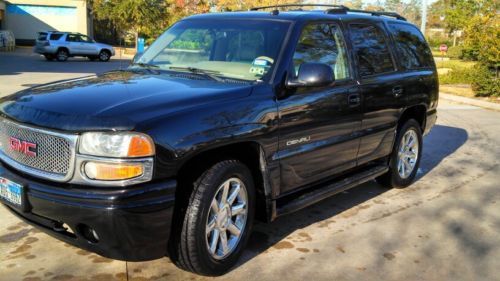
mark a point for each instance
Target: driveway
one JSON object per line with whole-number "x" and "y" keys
{"x": 444, "y": 227}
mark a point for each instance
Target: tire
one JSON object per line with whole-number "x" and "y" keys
{"x": 399, "y": 174}
{"x": 49, "y": 57}
{"x": 62, "y": 55}
{"x": 104, "y": 55}
{"x": 189, "y": 248}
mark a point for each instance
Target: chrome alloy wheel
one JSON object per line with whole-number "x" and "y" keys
{"x": 408, "y": 154}
{"x": 227, "y": 218}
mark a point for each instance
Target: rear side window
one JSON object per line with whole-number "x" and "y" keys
{"x": 42, "y": 36}
{"x": 371, "y": 50}
{"x": 411, "y": 47}
{"x": 55, "y": 36}
{"x": 73, "y": 38}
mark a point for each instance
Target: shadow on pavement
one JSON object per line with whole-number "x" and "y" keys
{"x": 439, "y": 144}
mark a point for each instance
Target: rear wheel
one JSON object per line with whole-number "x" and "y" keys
{"x": 405, "y": 158}
{"x": 217, "y": 221}
{"x": 62, "y": 55}
{"x": 49, "y": 57}
{"x": 104, "y": 55}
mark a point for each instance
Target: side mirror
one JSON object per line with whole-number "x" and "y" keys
{"x": 312, "y": 75}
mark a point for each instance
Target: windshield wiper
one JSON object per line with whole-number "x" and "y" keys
{"x": 207, "y": 73}
{"x": 148, "y": 66}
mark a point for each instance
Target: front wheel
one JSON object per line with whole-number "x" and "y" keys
{"x": 217, "y": 221}
{"x": 62, "y": 55}
{"x": 104, "y": 56}
{"x": 405, "y": 157}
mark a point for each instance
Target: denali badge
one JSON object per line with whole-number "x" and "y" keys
{"x": 25, "y": 147}
{"x": 297, "y": 141}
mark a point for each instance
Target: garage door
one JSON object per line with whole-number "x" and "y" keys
{"x": 26, "y": 20}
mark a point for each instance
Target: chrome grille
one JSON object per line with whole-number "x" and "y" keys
{"x": 55, "y": 152}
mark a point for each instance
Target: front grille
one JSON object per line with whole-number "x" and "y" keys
{"x": 54, "y": 151}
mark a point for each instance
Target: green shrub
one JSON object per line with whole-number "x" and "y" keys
{"x": 485, "y": 82}
{"x": 455, "y": 52}
{"x": 457, "y": 76}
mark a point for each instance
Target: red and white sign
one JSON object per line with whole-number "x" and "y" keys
{"x": 443, "y": 48}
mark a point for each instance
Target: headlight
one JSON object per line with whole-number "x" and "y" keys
{"x": 118, "y": 145}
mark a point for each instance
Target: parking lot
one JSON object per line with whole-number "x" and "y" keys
{"x": 445, "y": 226}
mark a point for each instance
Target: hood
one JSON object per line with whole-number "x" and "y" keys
{"x": 114, "y": 100}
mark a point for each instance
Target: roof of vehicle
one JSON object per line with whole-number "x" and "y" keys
{"x": 275, "y": 13}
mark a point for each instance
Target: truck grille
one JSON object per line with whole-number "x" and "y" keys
{"x": 54, "y": 152}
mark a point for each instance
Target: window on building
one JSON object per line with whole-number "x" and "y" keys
{"x": 411, "y": 47}
{"x": 371, "y": 50}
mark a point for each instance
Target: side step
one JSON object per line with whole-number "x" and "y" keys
{"x": 330, "y": 189}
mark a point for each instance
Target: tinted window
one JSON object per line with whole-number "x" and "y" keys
{"x": 42, "y": 36}
{"x": 411, "y": 47}
{"x": 87, "y": 39}
{"x": 55, "y": 36}
{"x": 322, "y": 43}
{"x": 371, "y": 50}
{"x": 73, "y": 38}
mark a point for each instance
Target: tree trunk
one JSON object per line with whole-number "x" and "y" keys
{"x": 136, "y": 36}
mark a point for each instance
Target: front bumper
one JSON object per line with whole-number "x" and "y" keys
{"x": 132, "y": 223}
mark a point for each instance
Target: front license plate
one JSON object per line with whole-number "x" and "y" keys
{"x": 11, "y": 192}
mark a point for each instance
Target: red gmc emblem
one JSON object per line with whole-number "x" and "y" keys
{"x": 25, "y": 147}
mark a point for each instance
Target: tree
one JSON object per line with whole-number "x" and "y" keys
{"x": 179, "y": 9}
{"x": 145, "y": 17}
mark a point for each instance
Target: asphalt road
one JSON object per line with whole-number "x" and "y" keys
{"x": 444, "y": 227}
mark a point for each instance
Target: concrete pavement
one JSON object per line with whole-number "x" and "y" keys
{"x": 443, "y": 227}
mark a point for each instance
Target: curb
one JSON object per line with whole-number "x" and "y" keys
{"x": 469, "y": 101}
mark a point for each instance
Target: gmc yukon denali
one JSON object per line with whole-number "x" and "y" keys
{"x": 226, "y": 118}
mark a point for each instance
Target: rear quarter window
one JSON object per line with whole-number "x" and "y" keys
{"x": 55, "y": 36}
{"x": 42, "y": 36}
{"x": 413, "y": 51}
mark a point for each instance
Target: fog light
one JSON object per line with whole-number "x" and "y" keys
{"x": 112, "y": 171}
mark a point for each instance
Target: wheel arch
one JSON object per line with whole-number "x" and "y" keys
{"x": 249, "y": 153}
{"x": 417, "y": 112}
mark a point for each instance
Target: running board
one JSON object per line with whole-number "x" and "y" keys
{"x": 330, "y": 189}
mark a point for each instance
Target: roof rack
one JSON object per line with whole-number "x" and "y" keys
{"x": 373, "y": 13}
{"x": 334, "y": 9}
{"x": 276, "y": 7}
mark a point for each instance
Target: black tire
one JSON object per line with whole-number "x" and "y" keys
{"x": 188, "y": 246}
{"x": 393, "y": 179}
{"x": 104, "y": 55}
{"x": 62, "y": 55}
{"x": 49, "y": 57}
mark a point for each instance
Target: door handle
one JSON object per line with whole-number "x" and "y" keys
{"x": 397, "y": 91}
{"x": 354, "y": 100}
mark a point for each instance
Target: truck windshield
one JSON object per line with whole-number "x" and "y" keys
{"x": 238, "y": 49}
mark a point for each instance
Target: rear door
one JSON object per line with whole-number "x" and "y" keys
{"x": 318, "y": 125}
{"x": 381, "y": 88}
{"x": 88, "y": 46}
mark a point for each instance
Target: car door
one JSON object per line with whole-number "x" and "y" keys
{"x": 74, "y": 44}
{"x": 88, "y": 46}
{"x": 318, "y": 125}
{"x": 381, "y": 89}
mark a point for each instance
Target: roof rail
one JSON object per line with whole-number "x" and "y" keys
{"x": 276, "y": 7}
{"x": 376, "y": 13}
{"x": 335, "y": 9}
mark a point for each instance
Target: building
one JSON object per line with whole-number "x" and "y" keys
{"x": 25, "y": 18}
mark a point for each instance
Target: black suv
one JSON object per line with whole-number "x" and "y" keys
{"x": 227, "y": 117}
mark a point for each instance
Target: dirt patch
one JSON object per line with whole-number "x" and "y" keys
{"x": 303, "y": 250}
{"x": 389, "y": 256}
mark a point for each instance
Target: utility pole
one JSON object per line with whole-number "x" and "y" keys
{"x": 424, "y": 16}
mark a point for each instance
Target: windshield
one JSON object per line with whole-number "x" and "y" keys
{"x": 239, "y": 49}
